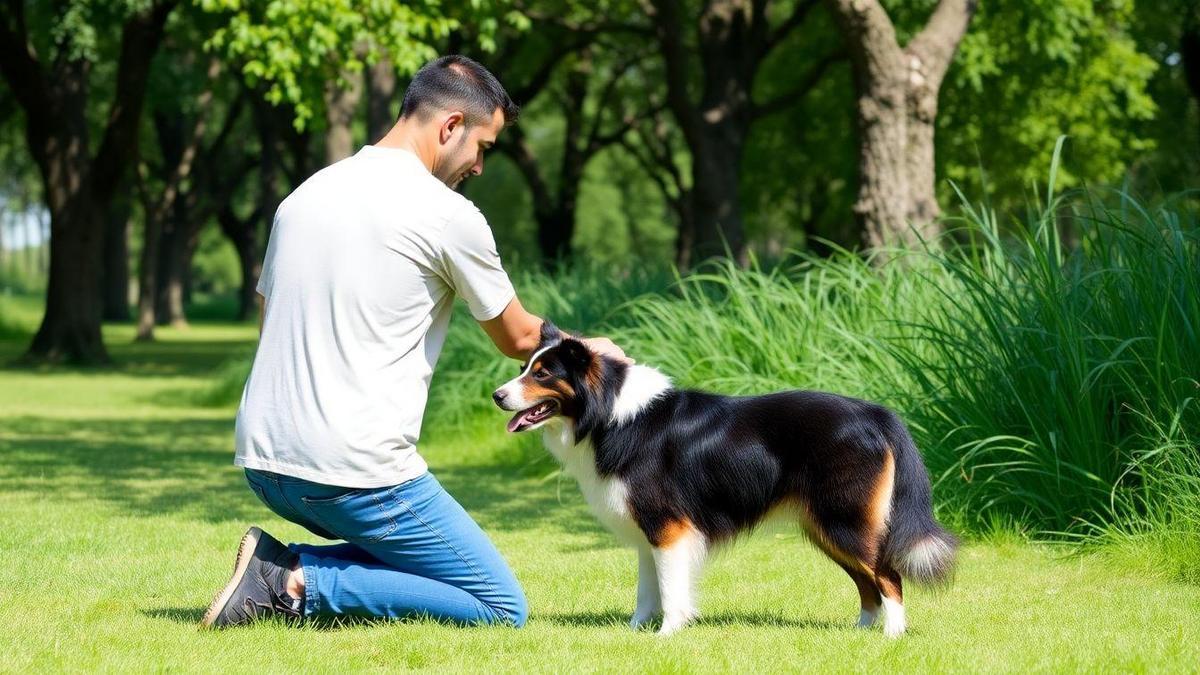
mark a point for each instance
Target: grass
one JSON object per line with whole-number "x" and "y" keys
{"x": 120, "y": 511}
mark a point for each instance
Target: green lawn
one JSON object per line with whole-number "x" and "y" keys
{"x": 120, "y": 511}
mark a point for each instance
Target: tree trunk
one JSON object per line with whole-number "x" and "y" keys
{"x": 685, "y": 238}
{"x": 381, "y": 94}
{"x": 716, "y": 209}
{"x": 148, "y": 271}
{"x": 116, "y": 258}
{"x": 341, "y": 104}
{"x": 1189, "y": 51}
{"x": 70, "y": 328}
{"x": 242, "y": 234}
{"x": 732, "y": 41}
{"x": 897, "y": 93}
{"x": 173, "y": 262}
{"x": 77, "y": 187}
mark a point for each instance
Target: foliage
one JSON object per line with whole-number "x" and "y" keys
{"x": 297, "y": 47}
{"x": 1028, "y": 72}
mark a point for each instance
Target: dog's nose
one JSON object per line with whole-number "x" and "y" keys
{"x": 499, "y": 395}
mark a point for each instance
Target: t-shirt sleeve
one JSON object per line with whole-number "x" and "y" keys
{"x": 264, "y": 273}
{"x": 472, "y": 264}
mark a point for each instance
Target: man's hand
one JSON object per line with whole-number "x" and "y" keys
{"x": 606, "y": 347}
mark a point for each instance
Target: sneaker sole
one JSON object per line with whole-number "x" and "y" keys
{"x": 245, "y": 553}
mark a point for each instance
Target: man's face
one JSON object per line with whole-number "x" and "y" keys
{"x": 462, "y": 147}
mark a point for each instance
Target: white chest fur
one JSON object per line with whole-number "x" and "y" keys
{"x": 607, "y": 497}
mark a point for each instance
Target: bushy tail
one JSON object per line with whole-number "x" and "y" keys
{"x": 916, "y": 546}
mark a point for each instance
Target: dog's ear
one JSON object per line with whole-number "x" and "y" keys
{"x": 550, "y": 334}
{"x": 575, "y": 353}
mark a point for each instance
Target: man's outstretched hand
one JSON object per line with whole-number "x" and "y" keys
{"x": 606, "y": 347}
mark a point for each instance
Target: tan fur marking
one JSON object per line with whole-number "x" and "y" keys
{"x": 889, "y": 584}
{"x": 672, "y": 532}
{"x": 536, "y": 392}
{"x": 818, "y": 537}
{"x": 592, "y": 375}
{"x": 879, "y": 504}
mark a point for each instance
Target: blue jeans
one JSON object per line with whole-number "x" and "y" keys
{"x": 411, "y": 550}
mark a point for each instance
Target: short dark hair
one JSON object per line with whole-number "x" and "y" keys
{"x": 456, "y": 82}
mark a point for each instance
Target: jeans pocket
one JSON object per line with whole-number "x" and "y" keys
{"x": 258, "y": 491}
{"x": 358, "y": 515}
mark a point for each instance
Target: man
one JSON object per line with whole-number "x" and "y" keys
{"x": 364, "y": 262}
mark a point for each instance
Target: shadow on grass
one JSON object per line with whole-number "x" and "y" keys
{"x": 761, "y": 619}
{"x": 187, "y": 615}
{"x": 183, "y": 467}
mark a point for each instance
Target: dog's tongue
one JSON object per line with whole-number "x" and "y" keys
{"x": 517, "y": 423}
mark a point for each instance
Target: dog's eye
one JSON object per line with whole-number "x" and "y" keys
{"x": 541, "y": 374}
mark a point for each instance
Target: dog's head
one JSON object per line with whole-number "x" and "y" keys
{"x": 563, "y": 378}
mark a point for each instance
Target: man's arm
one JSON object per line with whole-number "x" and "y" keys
{"x": 515, "y": 332}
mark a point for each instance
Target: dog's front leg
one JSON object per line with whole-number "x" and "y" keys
{"x": 649, "y": 604}
{"x": 677, "y": 563}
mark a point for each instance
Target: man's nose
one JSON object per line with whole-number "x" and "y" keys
{"x": 499, "y": 395}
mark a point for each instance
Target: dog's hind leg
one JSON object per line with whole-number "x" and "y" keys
{"x": 649, "y": 603}
{"x": 679, "y": 553}
{"x": 868, "y": 595}
{"x": 890, "y": 587}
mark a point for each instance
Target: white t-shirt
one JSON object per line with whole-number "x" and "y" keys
{"x": 361, "y": 270}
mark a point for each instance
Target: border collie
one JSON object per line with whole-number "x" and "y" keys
{"x": 674, "y": 473}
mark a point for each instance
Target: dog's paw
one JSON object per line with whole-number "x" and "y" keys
{"x": 893, "y": 618}
{"x": 867, "y": 618}
{"x": 641, "y": 620}
{"x": 673, "y": 622}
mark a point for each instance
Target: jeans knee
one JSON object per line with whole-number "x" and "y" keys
{"x": 520, "y": 612}
{"x": 512, "y": 610}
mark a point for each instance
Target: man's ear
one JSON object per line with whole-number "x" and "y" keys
{"x": 550, "y": 334}
{"x": 575, "y": 352}
{"x": 450, "y": 124}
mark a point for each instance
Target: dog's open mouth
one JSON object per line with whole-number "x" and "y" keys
{"x": 531, "y": 416}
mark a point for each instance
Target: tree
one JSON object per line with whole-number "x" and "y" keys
{"x": 733, "y": 38}
{"x": 596, "y": 116}
{"x": 897, "y": 89}
{"x": 48, "y": 72}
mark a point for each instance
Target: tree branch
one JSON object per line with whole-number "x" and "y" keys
{"x": 870, "y": 40}
{"x": 514, "y": 144}
{"x": 596, "y": 140}
{"x": 589, "y": 27}
{"x": 810, "y": 81}
{"x": 667, "y": 22}
{"x": 18, "y": 62}
{"x": 780, "y": 33}
{"x": 936, "y": 43}
{"x": 140, "y": 38}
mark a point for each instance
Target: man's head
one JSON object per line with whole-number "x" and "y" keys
{"x": 460, "y": 108}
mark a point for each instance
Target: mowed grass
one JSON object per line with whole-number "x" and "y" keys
{"x": 120, "y": 511}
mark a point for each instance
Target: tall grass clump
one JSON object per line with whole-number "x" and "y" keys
{"x": 1051, "y": 381}
{"x": 1059, "y": 382}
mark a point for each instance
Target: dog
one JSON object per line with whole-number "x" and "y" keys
{"x": 675, "y": 473}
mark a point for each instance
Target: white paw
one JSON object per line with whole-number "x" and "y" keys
{"x": 674, "y": 621}
{"x": 893, "y": 618}
{"x": 867, "y": 618}
{"x": 641, "y": 618}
